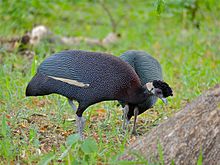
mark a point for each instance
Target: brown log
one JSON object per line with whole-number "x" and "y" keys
{"x": 193, "y": 130}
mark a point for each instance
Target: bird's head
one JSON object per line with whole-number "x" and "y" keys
{"x": 160, "y": 89}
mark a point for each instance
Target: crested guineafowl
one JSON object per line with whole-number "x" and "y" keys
{"x": 149, "y": 70}
{"x": 88, "y": 78}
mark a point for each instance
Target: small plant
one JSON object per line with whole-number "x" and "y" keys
{"x": 6, "y": 147}
{"x": 160, "y": 151}
{"x": 160, "y": 5}
{"x": 33, "y": 138}
{"x": 34, "y": 66}
{"x": 199, "y": 161}
{"x": 75, "y": 152}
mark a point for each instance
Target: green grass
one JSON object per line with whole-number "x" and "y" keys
{"x": 189, "y": 57}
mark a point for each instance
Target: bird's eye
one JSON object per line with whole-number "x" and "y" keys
{"x": 159, "y": 92}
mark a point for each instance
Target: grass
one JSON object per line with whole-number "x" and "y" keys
{"x": 35, "y": 130}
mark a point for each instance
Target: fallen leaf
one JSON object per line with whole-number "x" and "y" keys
{"x": 101, "y": 111}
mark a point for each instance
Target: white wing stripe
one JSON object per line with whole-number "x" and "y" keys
{"x": 71, "y": 82}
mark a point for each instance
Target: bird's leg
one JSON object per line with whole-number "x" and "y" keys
{"x": 80, "y": 121}
{"x": 136, "y": 111}
{"x": 72, "y": 105}
{"x": 125, "y": 117}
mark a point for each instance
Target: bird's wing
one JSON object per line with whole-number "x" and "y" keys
{"x": 62, "y": 67}
{"x": 128, "y": 57}
{"x": 146, "y": 67}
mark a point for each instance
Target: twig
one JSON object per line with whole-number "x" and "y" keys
{"x": 113, "y": 22}
{"x": 39, "y": 114}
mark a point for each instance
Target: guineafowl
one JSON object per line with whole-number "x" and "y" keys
{"x": 88, "y": 78}
{"x": 148, "y": 69}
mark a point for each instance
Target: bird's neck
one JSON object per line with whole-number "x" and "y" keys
{"x": 142, "y": 95}
{"x": 146, "y": 93}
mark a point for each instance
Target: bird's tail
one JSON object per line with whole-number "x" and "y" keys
{"x": 38, "y": 86}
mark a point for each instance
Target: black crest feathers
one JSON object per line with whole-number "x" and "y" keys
{"x": 167, "y": 91}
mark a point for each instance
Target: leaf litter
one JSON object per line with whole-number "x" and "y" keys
{"x": 52, "y": 135}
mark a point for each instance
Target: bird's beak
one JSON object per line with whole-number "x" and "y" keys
{"x": 164, "y": 100}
